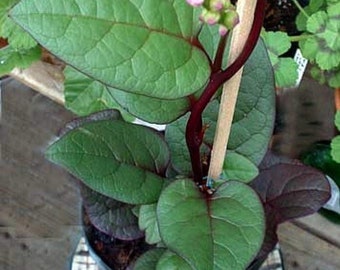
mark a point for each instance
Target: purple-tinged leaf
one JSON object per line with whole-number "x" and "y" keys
{"x": 288, "y": 190}
{"x": 110, "y": 216}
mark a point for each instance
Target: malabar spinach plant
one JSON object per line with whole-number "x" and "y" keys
{"x": 164, "y": 61}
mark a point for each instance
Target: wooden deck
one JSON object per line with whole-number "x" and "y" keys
{"x": 39, "y": 215}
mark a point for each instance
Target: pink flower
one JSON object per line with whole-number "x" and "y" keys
{"x": 195, "y": 3}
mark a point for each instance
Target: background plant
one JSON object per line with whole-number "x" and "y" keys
{"x": 319, "y": 41}
{"x": 22, "y": 50}
{"x": 158, "y": 62}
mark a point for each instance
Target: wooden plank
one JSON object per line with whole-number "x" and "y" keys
{"x": 305, "y": 251}
{"x": 40, "y": 202}
{"x": 321, "y": 227}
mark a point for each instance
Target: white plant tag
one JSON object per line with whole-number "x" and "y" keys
{"x": 302, "y": 64}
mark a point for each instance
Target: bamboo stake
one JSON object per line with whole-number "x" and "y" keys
{"x": 246, "y": 10}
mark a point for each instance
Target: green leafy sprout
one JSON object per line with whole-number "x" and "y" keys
{"x": 320, "y": 40}
{"x": 22, "y": 50}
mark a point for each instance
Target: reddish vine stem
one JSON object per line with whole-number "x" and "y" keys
{"x": 193, "y": 134}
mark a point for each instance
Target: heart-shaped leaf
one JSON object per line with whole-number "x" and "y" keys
{"x": 288, "y": 190}
{"x": 170, "y": 260}
{"x": 110, "y": 216}
{"x": 253, "y": 119}
{"x": 115, "y": 158}
{"x": 223, "y": 231}
{"x": 140, "y": 47}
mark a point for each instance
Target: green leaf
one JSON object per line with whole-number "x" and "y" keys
{"x": 140, "y": 47}
{"x": 149, "y": 259}
{"x": 170, "y": 260}
{"x": 152, "y": 110}
{"x": 335, "y": 146}
{"x": 323, "y": 46}
{"x": 314, "y": 6}
{"x": 253, "y": 119}
{"x": 84, "y": 95}
{"x": 337, "y": 120}
{"x": 316, "y": 22}
{"x": 16, "y": 37}
{"x": 224, "y": 231}
{"x": 11, "y": 58}
{"x": 309, "y": 48}
{"x": 330, "y": 77}
{"x": 118, "y": 159}
{"x": 276, "y": 42}
{"x": 209, "y": 38}
{"x": 148, "y": 223}
{"x": 237, "y": 167}
{"x": 285, "y": 69}
{"x": 286, "y": 72}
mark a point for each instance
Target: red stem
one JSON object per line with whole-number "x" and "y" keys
{"x": 217, "y": 79}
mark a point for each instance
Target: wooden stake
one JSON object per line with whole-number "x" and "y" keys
{"x": 246, "y": 10}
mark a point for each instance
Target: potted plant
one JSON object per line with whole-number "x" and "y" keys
{"x": 166, "y": 62}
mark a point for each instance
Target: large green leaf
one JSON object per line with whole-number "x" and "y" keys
{"x": 115, "y": 158}
{"x": 142, "y": 47}
{"x": 223, "y": 231}
{"x": 253, "y": 119}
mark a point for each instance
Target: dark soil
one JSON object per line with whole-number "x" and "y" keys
{"x": 115, "y": 253}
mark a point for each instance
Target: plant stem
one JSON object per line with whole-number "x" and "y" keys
{"x": 297, "y": 4}
{"x": 219, "y": 54}
{"x": 246, "y": 12}
{"x": 194, "y": 136}
{"x": 299, "y": 38}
